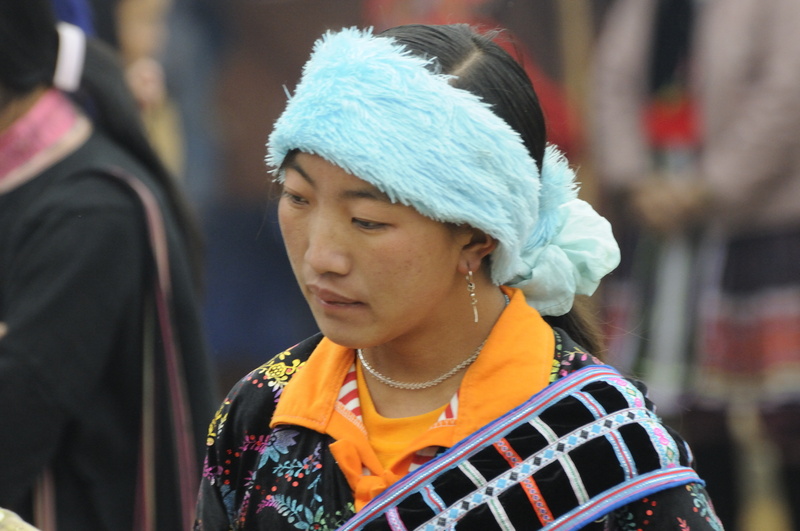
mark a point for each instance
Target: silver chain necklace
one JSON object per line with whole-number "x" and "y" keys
{"x": 420, "y": 385}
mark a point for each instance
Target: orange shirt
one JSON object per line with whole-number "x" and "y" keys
{"x": 390, "y": 437}
{"x": 514, "y": 364}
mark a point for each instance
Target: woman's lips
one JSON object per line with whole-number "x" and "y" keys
{"x": 331, "y": 298}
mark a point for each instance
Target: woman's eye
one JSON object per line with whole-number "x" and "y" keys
{"x": 293, "y": 198}
{"x": 371, "y": 225}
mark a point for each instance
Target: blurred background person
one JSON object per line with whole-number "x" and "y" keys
{"x": 106, "y": 411}
{"x": 138, "y": 31}
{"x": 733, "y": 188}
{"x": 645, "y": 130}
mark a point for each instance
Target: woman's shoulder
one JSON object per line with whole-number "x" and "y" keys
{"x": 251, "y": 401}
{"x": 569, "y": 356}
{"x": 272, "y": 376}
{"x": 80, "y": 183}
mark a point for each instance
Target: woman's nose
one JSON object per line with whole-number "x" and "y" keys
{"x": 327, "y": 250}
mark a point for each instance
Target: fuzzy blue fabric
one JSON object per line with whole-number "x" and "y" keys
{"x": 369, "y": 106}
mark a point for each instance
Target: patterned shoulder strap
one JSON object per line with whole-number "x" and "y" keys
{"x": 574, "y": 452}
{"x": 179, "y": 406}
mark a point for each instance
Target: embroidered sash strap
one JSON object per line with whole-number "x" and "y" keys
{"x": 574, "y": 452}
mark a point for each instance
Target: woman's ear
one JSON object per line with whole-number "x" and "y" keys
{"x": 479, "y": 246}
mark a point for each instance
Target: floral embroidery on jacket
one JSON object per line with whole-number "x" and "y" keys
{"x": 703, "y": 506}
{"x": 276, "y": 372}
{"x": 269, "y": 475}
{"x": 569, "y": 357}
{"x": 669, "y": 511}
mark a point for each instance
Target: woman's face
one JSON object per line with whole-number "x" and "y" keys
{"x": 372, "y": 271}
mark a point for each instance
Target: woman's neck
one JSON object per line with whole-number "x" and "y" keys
{"x": 37, "y": 130}
{"x": 426, "y": 359}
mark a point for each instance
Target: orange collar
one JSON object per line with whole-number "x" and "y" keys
{"x": 515, "y": 363}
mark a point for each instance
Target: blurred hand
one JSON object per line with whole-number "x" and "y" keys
{"x": 3, "y": 329}
{"x": 145, "y": 77}
{"x": 669, "y": 205}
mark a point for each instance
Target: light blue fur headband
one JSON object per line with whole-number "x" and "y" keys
{"x": 369, "y": 106}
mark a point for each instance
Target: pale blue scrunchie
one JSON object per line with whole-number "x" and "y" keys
{"x": 573, "y": 263}
{"x": 571, "y": 250}
{"x": 369, "y": 106}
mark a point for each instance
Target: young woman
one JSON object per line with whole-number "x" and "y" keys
{"x": 440, "y": 245}
{"x": 103, "y": 412}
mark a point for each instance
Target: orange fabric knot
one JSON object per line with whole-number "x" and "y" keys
{"x": 365, "y": 485}
{"x": 349, "y": 460}
{"x": 370, "y": 486}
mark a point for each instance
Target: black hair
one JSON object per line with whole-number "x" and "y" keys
{"x": 29, "y": 45}
{"x": 28, "y": 53}
{"x": 484, "y": 68}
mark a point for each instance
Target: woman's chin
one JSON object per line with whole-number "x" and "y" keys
{"x": 350, "y": 337}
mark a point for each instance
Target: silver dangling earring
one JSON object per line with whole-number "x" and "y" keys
{"x": 473, "y": 298}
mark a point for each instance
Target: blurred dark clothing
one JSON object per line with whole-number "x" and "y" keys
{"x": 75, "y": 278}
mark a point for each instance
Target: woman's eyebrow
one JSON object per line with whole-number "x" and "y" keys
{"x": 296, "y": 167}
{"x": 366, "y": 192}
